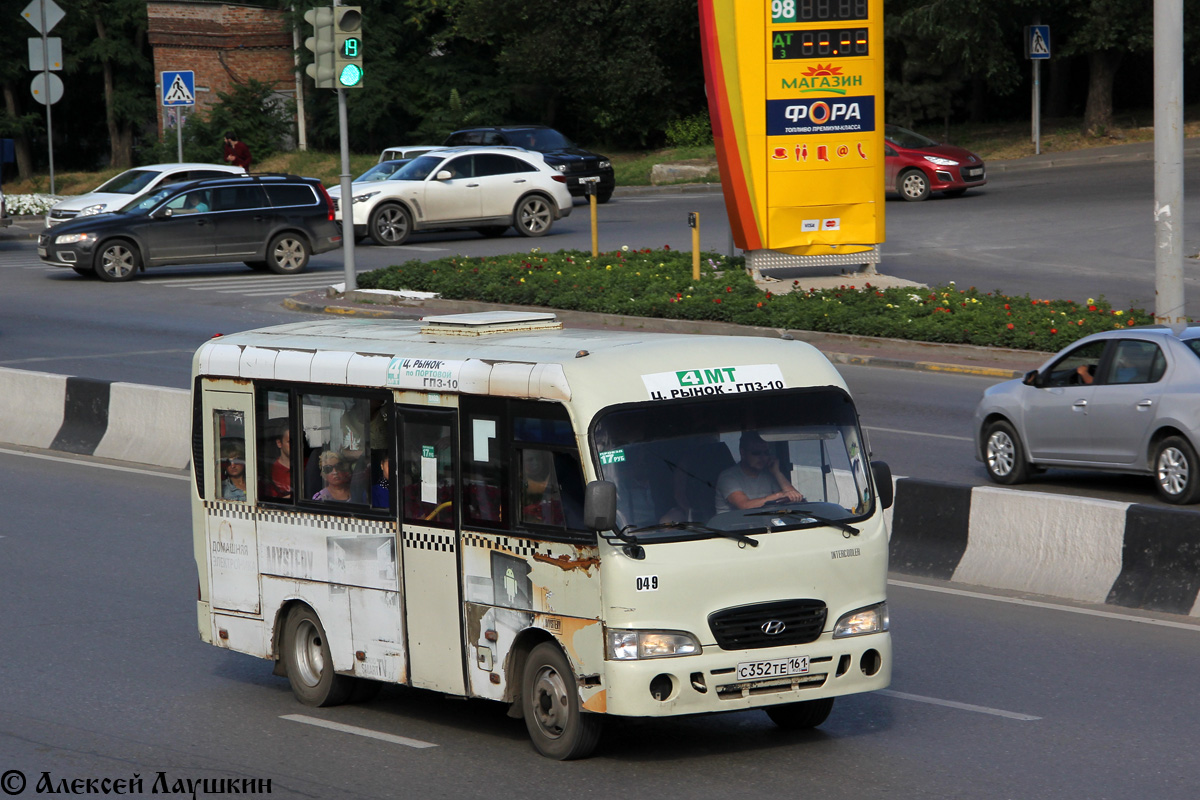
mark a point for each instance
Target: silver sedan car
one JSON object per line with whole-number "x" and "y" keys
{"x": 1122, "y": 400}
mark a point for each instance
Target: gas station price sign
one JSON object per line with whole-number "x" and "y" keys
{"x": 818, "y": 10}
{"x": 796, "y": 97}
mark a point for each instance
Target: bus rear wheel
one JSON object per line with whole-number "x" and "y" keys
{"x": 558, "y": 727}
{"x": 309, "y": 663}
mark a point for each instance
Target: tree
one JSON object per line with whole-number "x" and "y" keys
{"x": 108, "y": 38}
{"x": 1105, "y": 31}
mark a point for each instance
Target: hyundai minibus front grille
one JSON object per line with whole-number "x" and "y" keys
{"x": 778, "y": 624}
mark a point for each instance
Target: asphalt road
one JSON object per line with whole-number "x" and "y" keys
{"x": 104, "y": 678}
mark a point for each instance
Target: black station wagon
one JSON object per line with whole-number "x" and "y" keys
{"x": 267, "y": 221}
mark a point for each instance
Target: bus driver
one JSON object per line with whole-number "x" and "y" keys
{"x": 755, "y": 480}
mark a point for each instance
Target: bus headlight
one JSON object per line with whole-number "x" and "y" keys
{"x": 627, "y": 645}
{"x": 872, "y": 619}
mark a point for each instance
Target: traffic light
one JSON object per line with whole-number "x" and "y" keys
{"x": 321, "y": 45}
{"x": 347, "y": 47}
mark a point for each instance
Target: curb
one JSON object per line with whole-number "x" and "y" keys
{"x": 1082, "y": 549}
{"x": 366, "y": 303}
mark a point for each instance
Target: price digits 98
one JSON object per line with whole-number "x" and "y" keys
{"x": 817, "y": 10}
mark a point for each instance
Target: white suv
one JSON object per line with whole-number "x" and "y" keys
{"x": 116, "y": 192}
{"x": 488, "y": 189}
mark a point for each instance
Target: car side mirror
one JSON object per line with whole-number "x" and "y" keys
{"x": 1030, "y": 378}
{"x": 600, "y": 506}
{"x": 883, "y": 482}
{"x": 163, "y": 213}
{"x": 444, "y": 175}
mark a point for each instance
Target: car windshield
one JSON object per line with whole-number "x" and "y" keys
{"x": 383, "y": 171}
{"x": 132, "y": 181}
{"x": 903, "y": 137}
{"x": 148, "y": 202}
{"x": 418, "y": 169}
{"x": 543, "y": 140}
{"x": 676, "y": 463}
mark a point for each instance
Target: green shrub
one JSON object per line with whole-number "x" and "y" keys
{"x": 694, "y": 131}
{"x": 659, "y": 283}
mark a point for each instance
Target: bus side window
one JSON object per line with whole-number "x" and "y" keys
{"x": 274, "y": 447}
{"x": 483, "y": 470}
{"x": 230, "y": 429}
{"x": 427, "y": 473}
{"x": 337, "y": 448}
{"x": 551, "y": 489}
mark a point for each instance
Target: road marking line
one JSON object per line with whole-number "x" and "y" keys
{"x": 370, "y": 734}
{"x": 1018, "y": 601}
{"x": 921, "y": 433}
{"x": 95, "y": 355}
{"x": 996, "y": 712}
{"x": 82, "y": 463}
{"x": 421, "y": 249}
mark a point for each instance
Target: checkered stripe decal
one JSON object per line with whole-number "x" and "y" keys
{"x": 225, "y": 509}
{"x": 509, "y": 544}
{"x": 439, "y": 542}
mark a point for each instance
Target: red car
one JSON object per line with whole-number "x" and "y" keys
{"x": 915, "y": 165}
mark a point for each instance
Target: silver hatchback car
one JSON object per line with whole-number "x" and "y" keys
{"x": 1121, "y": 400}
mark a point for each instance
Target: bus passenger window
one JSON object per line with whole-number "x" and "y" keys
{"x": 339, "y": 448}
{"x": 551, "y": 489}
{"x": 427, "y": 475}
{"x": 231, "y": 452}
{"x": 274, "y": 447}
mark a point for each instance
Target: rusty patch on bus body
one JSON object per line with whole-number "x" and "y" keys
{"x": 565, "y": 562}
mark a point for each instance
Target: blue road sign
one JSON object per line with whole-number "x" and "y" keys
{"x": 1037, "y": 43}
{"x": 179, "y": 88}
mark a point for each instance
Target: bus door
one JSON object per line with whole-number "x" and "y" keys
{"x": 230, "y": 486}
{"x": 428, "y": 480}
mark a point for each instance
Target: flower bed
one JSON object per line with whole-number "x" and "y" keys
{"x": 658, "y": 283}
{"x": 29, "y": 205}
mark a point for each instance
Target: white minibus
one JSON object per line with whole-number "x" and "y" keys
{"x": 577, "y": 523}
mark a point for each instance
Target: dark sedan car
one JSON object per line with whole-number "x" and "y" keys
{"x": 270, "y": 222}
{"x": 560, "y": 153}
{"x": 916, "y": 165}
{"x": 1122, "y": 400}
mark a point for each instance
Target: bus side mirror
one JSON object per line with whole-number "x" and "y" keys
{"x": 883, "y": 482}
{"x": 600, "y": 506}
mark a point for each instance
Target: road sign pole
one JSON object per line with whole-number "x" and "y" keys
{"x": 1037, "y": 107}
{"x": 347, "y": 199}
{"x": 1168, "y": 163}
{"x": 179, "y": 134}
{"x": 46, "y": 72}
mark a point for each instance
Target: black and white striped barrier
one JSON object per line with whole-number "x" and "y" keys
{"x": 121, "y": 421}
{"x": 1092, "y": 551}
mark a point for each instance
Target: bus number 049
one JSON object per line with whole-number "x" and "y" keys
{"x": 647, "y": 583}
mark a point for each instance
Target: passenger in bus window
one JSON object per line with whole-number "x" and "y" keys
{"x": 756, "y": 480}
{"x": 336, "y": 472}
{"x": 381, "y": 491}
{"x": 352, "y": 451}
{"x": 541, "y": 499}
{"x": 277, "y": 482}
{"x": 233, "y": 466}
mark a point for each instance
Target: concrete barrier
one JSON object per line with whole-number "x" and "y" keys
{"x": 1076, "y": 548}
{"x": 1093, "y": 551}
{"x": 123, "y": 421}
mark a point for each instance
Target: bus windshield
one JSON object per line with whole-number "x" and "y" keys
{"x": 758, "y": 463}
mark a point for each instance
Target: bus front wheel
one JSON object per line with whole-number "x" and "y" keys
{"x": 558, "y": 727}
{"x": 309, "y": 663}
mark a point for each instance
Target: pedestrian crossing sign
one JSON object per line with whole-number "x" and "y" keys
{"x": 1037, "y": 41}
{"x": 179, "y": 88}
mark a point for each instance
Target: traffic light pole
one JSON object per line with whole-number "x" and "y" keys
{"x": 347, "y": 199}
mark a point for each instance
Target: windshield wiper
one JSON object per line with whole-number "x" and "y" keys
{"x": 694, "y": 527}
{"x": 807, "y": 517}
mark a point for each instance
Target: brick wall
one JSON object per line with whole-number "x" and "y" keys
{"x": 224, "y": 44}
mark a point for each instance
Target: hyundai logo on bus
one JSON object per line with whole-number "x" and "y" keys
{"x": 773, "y": 627}
{"x": 790, "y": 117}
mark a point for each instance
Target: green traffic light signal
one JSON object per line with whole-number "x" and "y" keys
{"x": 348, "y": 46}
{"x": 350, "y": 76}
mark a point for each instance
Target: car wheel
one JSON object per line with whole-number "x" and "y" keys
{"x": 117, "y": 261}
{"x": 390, "y": 225}
{"x": 260, "y": 266}
{"x": 1003, "y": 455}
{"x": 604, "y": 197}
{"x": 800, "y": 716}
{"x": 913, "y": 185}
{"x": 550, "y": 702}
{"x": 309, "y": 663}
{"x": 534, "y": 215}
{"x": 954, "y": 192}
{"x": 492, "y": 231}
{"x": 287, "y": 254}
{"x": 1176, "y": 471}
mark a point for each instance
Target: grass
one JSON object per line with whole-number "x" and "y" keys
{"x": 993, "y": 142}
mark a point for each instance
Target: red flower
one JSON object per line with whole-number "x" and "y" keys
{"x": 666, "y": 247}
{"x": 1130, "y": 322}
{"x": 716, "y": 299}
{"x": 759, "y": 304}
{"x": 1091, "y": 308}
{"x": 1054, "y": 330}
{"x": 1011, "y": 326}
{"x": 1006, "y": 306}
{"x": 729, "y": 288}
